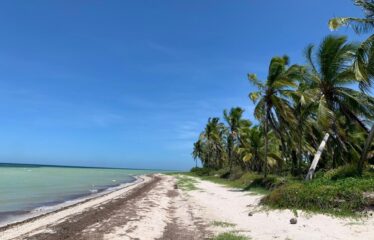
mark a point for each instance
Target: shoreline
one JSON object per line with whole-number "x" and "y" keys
{"x": 69, "y": 205}
{"x": 69, "y": 201}
{"x": 164, "y": 207}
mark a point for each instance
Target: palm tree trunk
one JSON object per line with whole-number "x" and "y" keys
{"x": 363, "y": 159}
{"x": 266, "y": 143}
{"x": 230, "y": 147}
{"x": 321, "y": 147}
{"x": 300, "y": 153}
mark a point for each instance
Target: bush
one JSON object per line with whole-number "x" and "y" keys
{"x": 201, "y": 171}
{"x": 339, "y": 197}
{"x": 268, "y": 183}
{"x": 341, "y": 172}
{"x": 236, "y": 173}
{"x": 230, "y": 236}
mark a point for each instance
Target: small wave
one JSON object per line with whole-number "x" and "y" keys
{"x": 43, "y": 209}
{"x": 93, "y": 190}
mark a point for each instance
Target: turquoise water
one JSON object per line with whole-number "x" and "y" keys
{"x": 24, "y": 188}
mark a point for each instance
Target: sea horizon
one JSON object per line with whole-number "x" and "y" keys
{"x": 8, "y": 164}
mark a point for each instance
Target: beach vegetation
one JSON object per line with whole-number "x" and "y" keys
{"x": 230, "y": 236}
{"x": 186, "y": 183}
{"x": 222, "y": 224}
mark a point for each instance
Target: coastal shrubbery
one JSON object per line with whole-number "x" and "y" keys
{"x": 339, "y": 197}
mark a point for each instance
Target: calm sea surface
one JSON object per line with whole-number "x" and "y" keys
{"x": 26, "y": 188}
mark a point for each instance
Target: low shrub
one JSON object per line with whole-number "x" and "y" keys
{"x": 341, "y": 172}
{"x": 230, "y": 236}
{"x": 268, "y": 183}
{"x": 339, "y": 197}
{"x": 201, "y": 171}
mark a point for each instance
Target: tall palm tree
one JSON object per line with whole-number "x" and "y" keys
{"x": 364, "y": 62}
{"x": 213, "y": 136}
{"x": 302, "y": 131}
{"x": 330, "y": 76}
{"x": 198, "y": 151}
{"x": 272, "y": 97}
{"x": 234, "y": 121}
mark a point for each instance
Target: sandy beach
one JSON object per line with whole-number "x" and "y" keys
{"x": 157, "y": 208}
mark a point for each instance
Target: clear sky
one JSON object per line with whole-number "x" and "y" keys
{"x": 132, "y": 83}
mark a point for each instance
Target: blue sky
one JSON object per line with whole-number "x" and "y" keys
{"x": 132, "y": 83}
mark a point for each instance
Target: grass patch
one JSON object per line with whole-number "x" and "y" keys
{"x": 186, "y": 183}
{"x": 230, "y": 236}
{"x": 343, "y": 197}
{"x": 223, "y": 224}
{"x": 244, "y": 182}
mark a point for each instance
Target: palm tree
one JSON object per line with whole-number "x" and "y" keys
{"x": 198, "y": 151}
{"x": 213, "y": 137}
{"x": 359, "y": 25}
{"x": 251, "y": 149}
{"x": 364, "y": 62}
{"x": 303, "y": 108}
{"x": 330, "y": 77}
{"x": 234, "y": 121}
{"x": 272, "y": 98}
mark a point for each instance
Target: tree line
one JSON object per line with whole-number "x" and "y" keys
{"x": 315, "y": 114}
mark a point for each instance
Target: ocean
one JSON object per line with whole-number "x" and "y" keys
{"x": 26, "y": 189}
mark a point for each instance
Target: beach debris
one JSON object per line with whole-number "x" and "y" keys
{"x": 293, "y": 220}
{"x": 175, "y": 186}
{"x": 250, "y": 214}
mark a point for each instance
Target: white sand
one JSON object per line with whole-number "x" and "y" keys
{"x": 229, "y": 205}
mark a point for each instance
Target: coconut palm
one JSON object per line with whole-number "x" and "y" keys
{"x": 252, "y": 146}
{"x": 330, "y": 76}
{"x": 234, "y": 121}
{"x": 302, "y": 132}
{"x": 213, "y": 137}
{"x": 364, "y": 62}
{"x": 359, "y": 25}
{"x": 198, "y": 151}
{"x": 272, "y": 98}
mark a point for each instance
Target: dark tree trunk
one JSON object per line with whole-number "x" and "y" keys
{"x": 266, "y": 143}
{"x": 363, "y": 159}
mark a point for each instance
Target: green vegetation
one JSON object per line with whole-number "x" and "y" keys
{"x": 230, "y": 236}
{"x": 314, "y": 123}
{"x": 247, "y": 181}
{"x": 222, "y": 224}
{"x": 186, "y": 183}
{"x": 342, "y": 197}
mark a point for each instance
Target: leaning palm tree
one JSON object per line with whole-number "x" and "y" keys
{"x": 272, "y": 98}
{"x": 234, "y": 121}
{"x": 330, "y": 76}
{"x": 364, "y": 63}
